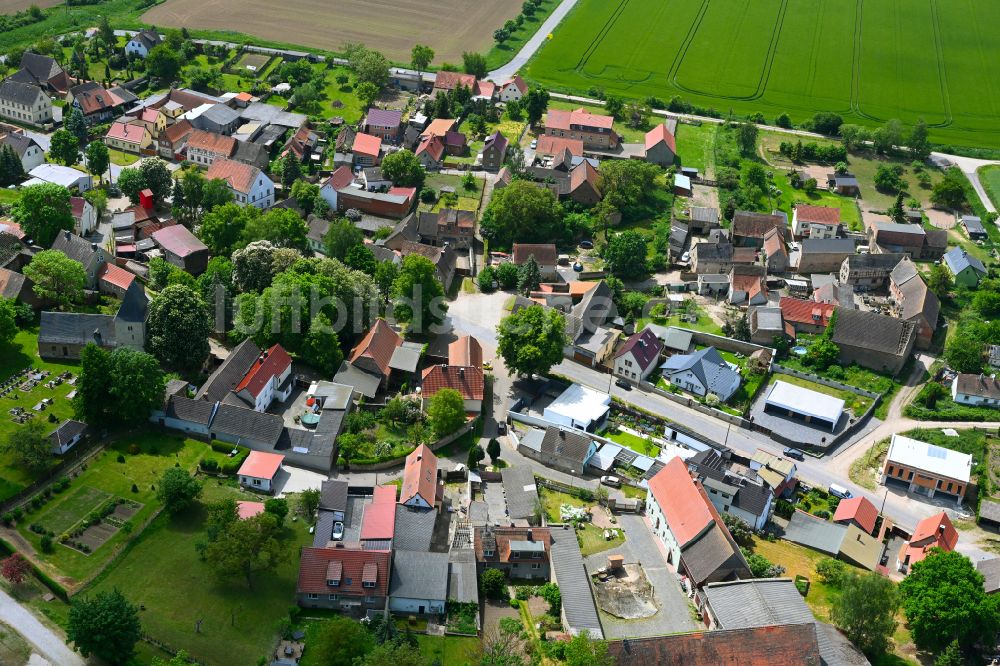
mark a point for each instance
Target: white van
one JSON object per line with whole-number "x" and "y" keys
{"x": 840, "y": 491}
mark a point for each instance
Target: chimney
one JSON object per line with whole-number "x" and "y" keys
{"x": 66, "y": 235}
{"x": 461, "y": 373}
{"x": 93, "y": 246}
{"x": 531, "y": 537}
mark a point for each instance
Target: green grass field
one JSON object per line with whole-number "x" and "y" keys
{"x": 990, "y": 178}
{"x": 868, "y": 61}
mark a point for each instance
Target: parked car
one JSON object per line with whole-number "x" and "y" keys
{"x": 578, "y": 267}
{"x": 534, "y": 144}
{"x": 840, "y": 491}
{"x": 623, "y": 383}
{"x": 587, "y": 245}
{"x": 612, "y": 481}
{"x": 686, "y": 257}
{"x": 338, "y": 531}
{"x": 794, "y": 453}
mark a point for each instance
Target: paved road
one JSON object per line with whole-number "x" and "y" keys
{"x": 970, "y": 167}
{"x": 524, "y": 55}
{"x": 52, "y": 646}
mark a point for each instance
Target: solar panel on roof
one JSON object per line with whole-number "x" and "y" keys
{"x": 936, "y": 452}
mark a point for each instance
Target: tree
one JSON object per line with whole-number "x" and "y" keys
{"x": 152, "y": 174}
{"x": 746, "y": 138}
{"x": 941, "y": 596}
{"x": 614, "y": 106}
{"x": 501, "y": 35}
{"x": 475, "y": 64}
{"x": 628, "y": 186}
{"x": 222, "y": 229}
{"x": 136, "y": 385}
{"x": 11, "y": 168}
{"x": 163, "y": 63}
{"x": 341, "y": 237}
{"x": 889, "y": 178}
{"x": 529, "y": 276}
{"x": 15, "y": 568}
{"x": 394, "y": 653}
{"x": 507, "y": 274}
{"x": 367, "y": 92}
{"x": 29, "y": 445}
{"x": 291, "y": 169}
{"x": 918, "y": 142}
{"x": 964, "y": 353}
{"x": 939, "y": 281}
{"x": 306, "y": 194}
{"x": 949, "y": 192}
{"x": 385, "y": 275}
{"x": 827, "y": 123}
{"x": 822, "y": 353}
{"x": 783, "y": 121}
{"x": 476, "y": 456}
{"x": 340, "y": 640}
{"x": 98, "y": 159}
{"x": 421, "y": 57}
{"x": 283, "y": 227}
{"x": 361, "y": 258}
{"x": 532, "y": 340}
{"x": 277, "y": 507}
{"x": 523, "y": 212}
{"x": 179, "y": 659}
{"x": 8, "y": 320}
{"x": 404, "y": 169}
{"x": 177, "y": 490}
{"x": 253, "y": 266}
{"x": 105, "y": 625}
{"x": 535, "y": 102}
{"x": 582, "y": 650}
{"x": 418, "y": 294}
{"x": 204, "y": 79}
{"x": 247, "y": 546}
{"x": 865, "y": 610}
{"x": 57, "y": 278}
{"x": 493, "y": 584}
{"x": 446, "y": 412}
{"x": 637, "y": 115}
{"x": 739, "y": 528}
{"x": 77, "y": 126}
{"x": 854, "y": 137}
{"x": 178, "y": 328}
{"x": 625, "y": 255}
{"x": 371, "y": 66}
{"x": 760, "y": 566}
{"x": 951, "y": 656}
{"x": 493, "y": 449}
{"x": 309, "y": 502}
{"x": 43, "y": 211}
{"x": 896, "y": 212}
{"x": 215, "y": 193}
{"x": 65, "y": 147}
{"x": 130, "y": 183}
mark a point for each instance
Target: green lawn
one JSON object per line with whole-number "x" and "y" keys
{"x": 989, "y": 176}
{"x": 852, "y": 401}
{"x": 467, "y": 199}
{"x": 592, "y": 540}
{"x": 695, "y": 146}
{"x": 638, "y": 444}
{"x": 156, "y": 453}
{"x": 9, "y": 196}
{"x": 163, "y": 572}
{"x": 501, "y": 54}
{"x": 450, "y": 650}
{"x": 121, "y": 158}
{"x": 849, "y": 213}
{"x": 704, "y": 323}
{"x": 799, "y": 58}
{"x": 553, "y": 499}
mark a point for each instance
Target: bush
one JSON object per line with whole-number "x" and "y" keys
{"x": 831, "y": 571}
{"x": 134, "y": 449}
{"x": 7, "y": 519}
{"x": 209, "y": 465}
{"x": 493, "y": 583}
{"x": 120, "y": 458}
{"x": 47, "y": 544}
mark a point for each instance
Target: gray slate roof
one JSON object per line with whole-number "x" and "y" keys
{"x": 958, "y": 260}
{"x": 815, "y": 533}
{"x": 245, "y": 423}
{"x": 187, "y": 409}
{"x": 135, "y": 303}
{"x": 19, "y": 142}
{"x": 520, "y": 490}
{"x": 828, "y": 246}
{"x": 72, "y": 328}
{"x": 419, "y": 575}
{"x": 228, "y": 375}
{"x": 19, "y": 93}
{"x": 414, "y": 528}
{"x": 990, "y": 510}
{"x": 877, "y": 332}
{"x": 463, "y": 585}
{"x": 333, "y": 495}
{"x": 991, "y": 573}
{"x": 707, "y": 364}
{"x": 574, "y": 583}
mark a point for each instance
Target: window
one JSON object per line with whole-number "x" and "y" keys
{"x": 487, "y": 553}
{"x": 536, "y": 556}
{"x": 256, "y": 482}
{"x": 890, "y": 470}
{"x": 332, "y": 597}
{"x": 949, "y": 486}
{"x": 347, "y": 581}
{"x": 333, "y": 583}
{"x": 910, "y": 477}
{"x": 369, "y": 599}
{"x": 536, "y": 565}
{"x": 368, "y": 583}
{"x": 313, "y": 596}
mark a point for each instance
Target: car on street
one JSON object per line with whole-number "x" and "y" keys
{"x": 794, "y": 453}
{"x": 487, "y": 365}
{"x": 612, "y": 481}
{"x": 338, "y": 531}
{"x": 623, "y": 384}
{"x": 840, "y": 491}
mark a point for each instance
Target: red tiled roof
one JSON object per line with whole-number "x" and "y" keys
{"x": 544, "y": 253}
{"x": 467, "y": 380}
{"x": 96, "y": 98}
{"x": 178, "y": 240}
{"x": 682, "y": 505}
{"x": 751, "y": 284}
{"x": 933, "y": 532}
{"x": 419, "y": 476}
{"x": 485, "y": 89}
{"x": 408, "y": 192}
{"x": 249, "y": 509}
{"x": 439, "y": 126}
{"x": 644, "y": 346}
{"x": 557, "y": 145}
{"x": 433, "y": 145}
{"x": 450, "y": 80}
{"x": 113, "y": 275}
{"x": 800, "y": 311}
{"x": 352, "y": 564}
{"x": 818, "y": 214}
{"x": 518, "y": 83}
{"x": 177, "y": 131}
{"x": 563, "y": 120}
{"x": 378, "y": 345}
{"x": 126, "y": 132}
{"x": 271, "y": 363}
{"x": 504, "y": 536}
{"x": 466, "y": 351}
{"x": 379, "y": 520}
{"x": 244, "y": 97}
{"x": 858, "y": 509}
{"x": 366, "y": 144}
{"x": 261, "y": 465}
{"x": 584, "y": 172}
{"x": 149, "y": 115}
{"x": 658, "y": 134}
{"x": 211, "y": 142}
{"x": 11, "y": 227}
{"x": 776, "y": 645}
{"x": 240, "y": 176}
{"x": 774, "y": 243}
{"x": 340, "y": 178}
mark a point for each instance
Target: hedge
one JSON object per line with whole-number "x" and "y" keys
{"x": 46, "y": 580}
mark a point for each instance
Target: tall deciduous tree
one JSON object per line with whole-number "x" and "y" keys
{"x": 404, "y": 169}
{"x": 446, "y": 412}
{"x": 944, "y": 600}
{"x": 625, "y": 255}
{"x": 178, "y": 328}
{"x": 65, "y": 147}
{"x": 177, "y": 489}
{"x": 164, "y": 63}
{"x": 475, "y": 64}
{"x": 341, "y": 237}
{"x": 866, "y": 610}
{"x": 57, "y": 278}
{"x": 418, "y": 294}
{"x": 341, "y": 641}
{"x": 535, "y": 103}
{"x": 98, "y": 159}
{"x": 105, "y": 625}
{"x": 246, "y": 547}
{"x": 421, "y": 57}
{"x": 29, "y": 445}
{"x": 531, "y": 340}
{"x": 522, "y": 212}
{"x": 43, "y": 211}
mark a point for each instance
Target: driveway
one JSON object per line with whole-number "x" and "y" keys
{"x": 295, "y": 480}
{"x": 51, "y": 646}
{"x": 640, "y": 546}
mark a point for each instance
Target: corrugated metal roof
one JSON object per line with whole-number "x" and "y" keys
{"x": 577, "y": 597}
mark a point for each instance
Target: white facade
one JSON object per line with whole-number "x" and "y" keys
{"x": 38, "y": 112}
{"x": 329, "y": 195}
{"x": 689, "y": 381}
{"x": 658, "y": 521}
{"x": 87, "y": 220}
{"x": 968, "y": 399}
{"x": 255, "y": 483}
{"x": 136, "y": 48}
{"x": 33, "y": 156}
{"x": 510, "y": 93}
{"x": 804, "y": 229}
{"x": 270, "y": 392}
{"x": 261, "y": 194}
{"x": 416, "y": 606}
{"x": 628, "y": 367}
{"x": 201, "y": 156}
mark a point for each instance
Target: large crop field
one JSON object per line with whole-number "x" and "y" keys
{"x": 868, "y": 60}
{"x": 450, "y": 27}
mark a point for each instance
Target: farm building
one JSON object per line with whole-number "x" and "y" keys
{"x": 926, "y": 469}
{"x": 805, "y": 404}
{"x": 579, "y": 407}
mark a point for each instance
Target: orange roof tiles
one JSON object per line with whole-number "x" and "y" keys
{"x": 557, "y": 145}
{"x": 858, "y": 509}
{"x": 776, "y": 645}
{"x": 340, "y": 178}
{"x": 818, "y": 214}
{"x": 126, "y": 132}
{"x": 934, "y": 531}
{"x": 366, "y": 144}
{"x": 658, "y": 134}
{"x": 439, "y": 126}
{"x": 419, "y": 476}
{"x": 466, "y": 351}
{"x": 683, "y": 506}
{"x": 799, "y": 311}
{"x": 433, "y": 145}
{"x": 564, "y": 120}
{"x": 450, "y": 80}
{"x": 261, "y": 465}
{"x": 240, "y": 176}
{"x": 379, "y": 520}
{"x": 113, "y": 275}
{"x": 211, "y": 142}
{"x": 467, "y": 380}
{"x": 377, "y": 345}
{"x": 544, "y": 253}
{"x": 271, "y": 363}
{"x": 351, "y": 563}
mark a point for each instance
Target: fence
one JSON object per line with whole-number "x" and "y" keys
{"x": 726, "y": 344}
{"x": 695, "y": 405}
{"x": 386, "y": 464}
{"x": 72, "y": 461}
{"x": 782, "y": 370}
